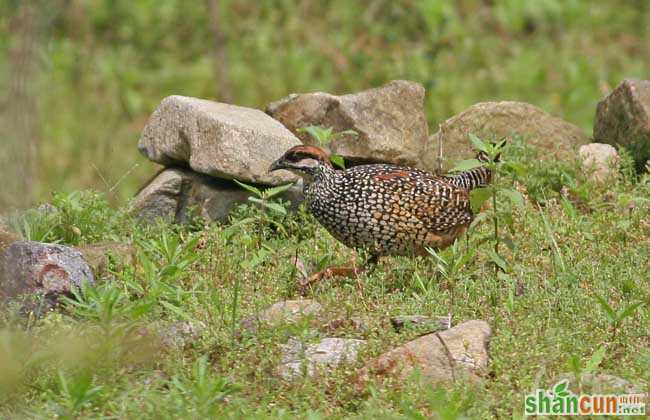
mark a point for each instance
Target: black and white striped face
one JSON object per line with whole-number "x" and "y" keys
{"x": 302, "y": 160}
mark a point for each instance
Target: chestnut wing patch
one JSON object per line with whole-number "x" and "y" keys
{"x": 392, "y": 176}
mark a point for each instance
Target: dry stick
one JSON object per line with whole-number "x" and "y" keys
{"x": 441, "y": 133}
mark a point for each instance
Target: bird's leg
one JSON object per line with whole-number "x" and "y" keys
{"x": 348, "y": 272}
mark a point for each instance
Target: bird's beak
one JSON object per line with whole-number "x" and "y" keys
{"x": 278, "y": 164}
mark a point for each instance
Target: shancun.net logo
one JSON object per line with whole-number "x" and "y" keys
{"x": 561, "y": 401}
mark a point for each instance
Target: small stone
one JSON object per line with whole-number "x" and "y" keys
{"x": 288, "y": 311}
{"x": 180, "y": 334}
{"x": 493, "y": 120}
{"x": 459, "y": 352}
{"x": 100, "y": 255}
{"x": 623, "y": 119}
{"x": 39, "y": 273}
{"x": 599, "y": 160}
{"x": 389, "y": 120}
{"x": 300, "y": 359}
{"x": 216, "y": 139}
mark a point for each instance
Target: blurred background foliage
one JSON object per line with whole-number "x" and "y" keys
{"x": 78, "y": 78}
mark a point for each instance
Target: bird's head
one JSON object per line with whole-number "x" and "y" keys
{"x": 303, "y": 160}
{"x": 481, "y": 156}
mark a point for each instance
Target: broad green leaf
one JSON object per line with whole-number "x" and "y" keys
{"x": 466, "y": 165}
{"x": 477, "y": 197}
{"x": 574, "y": 364}
{"x": 478, "y": 144}
{"x": 338, "y": 160}
{"x": 250, "y": 188}
{"x": 515, "y": 197}
{"x": 178, "y": 311}
{"x": 569, "y": 209}
{"x": 595, "y": 360}
{"x": 611, "y": 315}
{"x": 498, "y": 260}
{"x": 322, "y": 135}
{"x": 276, "y": 207}
{"x": 624, "y": 313}
{"x": 479, "y": 219}
{"x": 272, "y": 192}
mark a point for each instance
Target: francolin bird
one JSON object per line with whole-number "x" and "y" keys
{"x": 383, "y": 209}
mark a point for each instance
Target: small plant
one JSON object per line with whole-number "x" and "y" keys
{"x": 267, "y": 213}
{"x": 451, "y": 266}
{"x": 75, "y": 218}
{"x": 106, "y": 305}
{"x": 202, "y": 389}
{"x": 616, "y": 318}
{"x": 494, "y": 163}
{"x": 590, "y": 367}
{"x": 324, "y": 136}
{"x": 263, "y": 197}
{"x": 175, "y": 256}
{"x": 561, "y": 268}
{"x": 76, "y": 392}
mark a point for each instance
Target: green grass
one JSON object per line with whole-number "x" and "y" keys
{"x": 87, "y": 361}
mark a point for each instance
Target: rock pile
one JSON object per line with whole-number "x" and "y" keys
{"x": 389, "y": 120}
{"x": 205, "y": 145}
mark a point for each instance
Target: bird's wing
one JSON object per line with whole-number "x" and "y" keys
{"x": 436, "y": 203}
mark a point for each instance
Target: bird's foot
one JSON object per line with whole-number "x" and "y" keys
{"x": 349, "y": 272}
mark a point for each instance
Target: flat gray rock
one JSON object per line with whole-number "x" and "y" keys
{"x": 623, "y": 118}
{"x": 557, "y": 138}
{"x": 174, "y": 192}
{"x": 287, "y": 311}
{"x": 39, "y": 273}
{"x": 389, "y": 120}
{"x": 300, "y": 359}
{"x": 221, "y": 140}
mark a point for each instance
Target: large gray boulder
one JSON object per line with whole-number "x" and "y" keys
{"x": 37, "y": 274}
{"x": 221, "y": 140}
{"x": 493, "y": 120}
{"x": 623, "y": 118}
{"x": 389, "y": 120}
{"x": 174, "y": 192}
{"x": 457, "y": 353}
